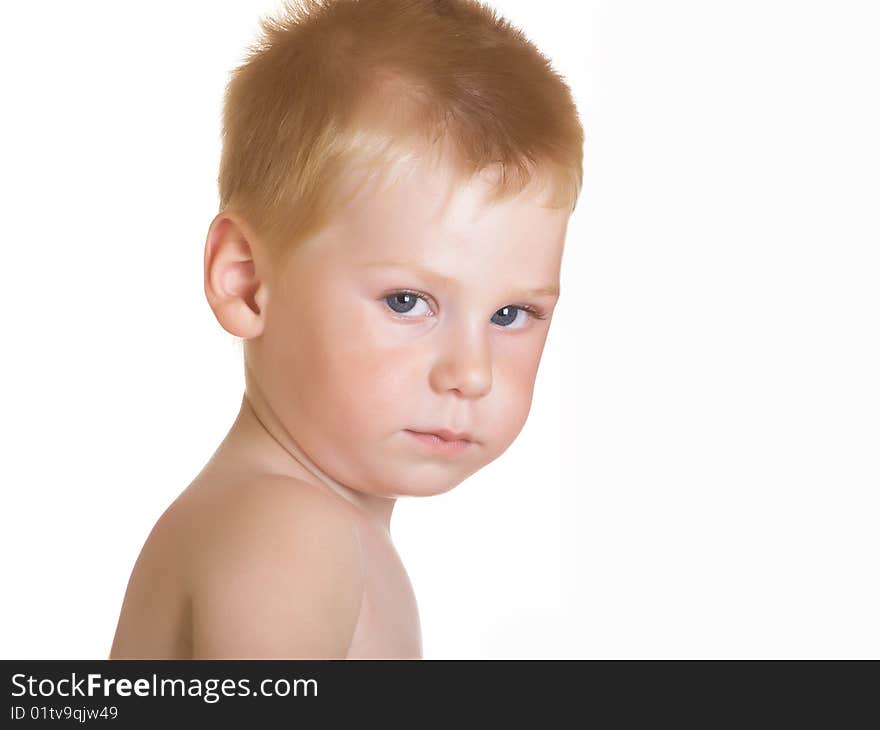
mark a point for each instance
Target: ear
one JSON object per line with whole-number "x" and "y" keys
{"x": 233, "y": 288}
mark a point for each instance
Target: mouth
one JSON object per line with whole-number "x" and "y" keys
{"x": 442, "y": 441}
{"x": 445, "y": 434}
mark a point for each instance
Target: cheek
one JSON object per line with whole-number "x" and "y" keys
{"x": 515, "y": 373}
{"x": 517, "y": 363}
{"x": 364, "y": 386}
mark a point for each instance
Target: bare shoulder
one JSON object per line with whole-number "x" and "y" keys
{"x": 274, "y": 570}
{"x": 153, "y": 619}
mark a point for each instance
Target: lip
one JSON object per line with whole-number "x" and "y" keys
{"x": 446, "y": 434}
{"x": 437, "y": 443}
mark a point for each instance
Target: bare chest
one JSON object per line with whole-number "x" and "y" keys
{"x": 388, "y": 624}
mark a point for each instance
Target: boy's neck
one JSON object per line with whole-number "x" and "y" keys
{"x": 258, "y": 437}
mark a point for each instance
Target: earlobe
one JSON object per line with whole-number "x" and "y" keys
{"x": 234, "y": 291}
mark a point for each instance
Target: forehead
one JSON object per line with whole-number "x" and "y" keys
{"x": 426, "y": 212}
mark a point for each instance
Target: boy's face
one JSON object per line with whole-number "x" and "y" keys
{"x": 351, "y": 364}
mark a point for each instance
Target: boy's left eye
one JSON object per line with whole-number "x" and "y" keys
{"x": 404, "y": 302}
{"x": 510, "y": 314}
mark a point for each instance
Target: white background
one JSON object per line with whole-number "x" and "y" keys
{"x": 699, "y": 474}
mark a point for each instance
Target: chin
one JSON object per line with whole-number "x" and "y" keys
{"x": 427, "y": 487}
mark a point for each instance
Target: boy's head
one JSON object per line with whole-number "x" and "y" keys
{"x": 427, "y": 134}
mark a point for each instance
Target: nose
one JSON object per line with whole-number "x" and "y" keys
{"x": 464, "y": 364}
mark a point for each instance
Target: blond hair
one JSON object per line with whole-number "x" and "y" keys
{"x": 335, "y": 86}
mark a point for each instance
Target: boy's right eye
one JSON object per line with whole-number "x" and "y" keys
{"x": 403, "y": 302}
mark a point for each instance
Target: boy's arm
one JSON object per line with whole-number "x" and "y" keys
{"x": 283, "y": 579}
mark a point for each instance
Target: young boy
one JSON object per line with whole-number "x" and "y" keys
{"x": 395, "y": 186}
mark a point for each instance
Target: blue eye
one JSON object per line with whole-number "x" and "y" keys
{"x": 404, "y": 302}
{"x": 508, "y": 315}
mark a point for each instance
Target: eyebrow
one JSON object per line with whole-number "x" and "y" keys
{"x": 541, "y": 291}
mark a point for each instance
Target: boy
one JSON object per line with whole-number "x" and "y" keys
{"x": 395, "y": 186}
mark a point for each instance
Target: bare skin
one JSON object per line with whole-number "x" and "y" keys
{"x": 158, "y": 613}
{"x": 281, "y": 546}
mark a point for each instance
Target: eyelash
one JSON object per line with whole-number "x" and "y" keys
{"x": 533, "y": 311}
